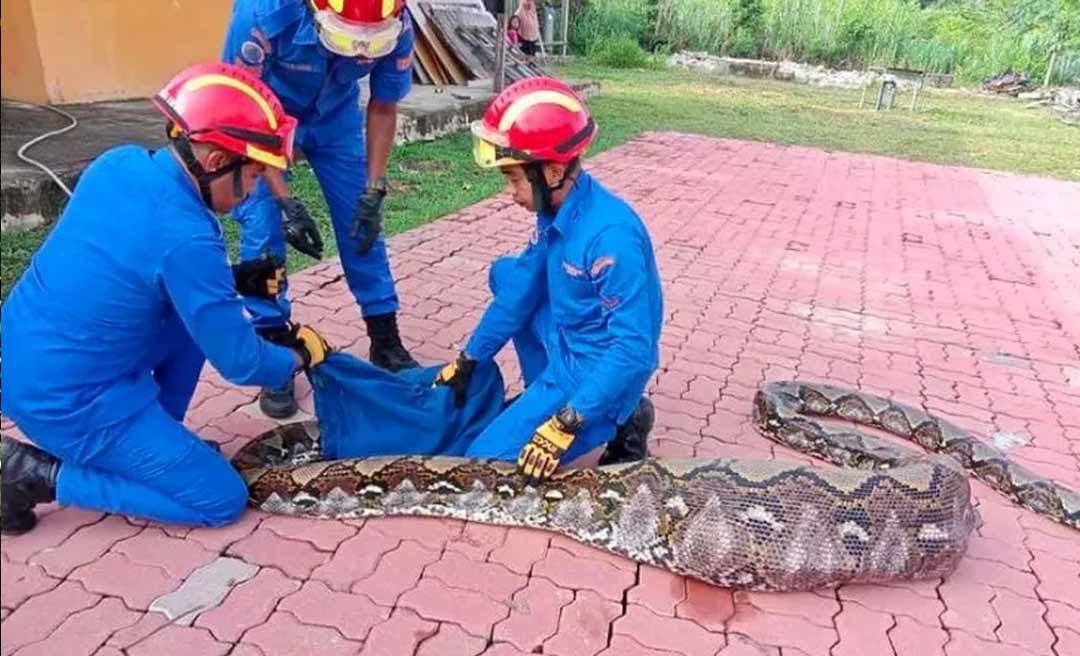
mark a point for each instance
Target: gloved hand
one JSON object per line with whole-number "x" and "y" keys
{"x": 261, "y": 278}
{"x": 300, "y": 229}
{"x": 540, "y": 457}
{"x": 306, "y": 341}
{"x": 456, "y": 376}
{"x": 369, "y": 218}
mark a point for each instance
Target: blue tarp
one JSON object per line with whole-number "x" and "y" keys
{"x": 367, "y": 411}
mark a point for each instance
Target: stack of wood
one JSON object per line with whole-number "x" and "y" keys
{"x": 455, "y": 44}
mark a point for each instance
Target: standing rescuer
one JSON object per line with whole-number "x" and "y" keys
{"x": 110, "y": 325}
{"x": 582, "y": 303}
{"x": 313, "y": 53}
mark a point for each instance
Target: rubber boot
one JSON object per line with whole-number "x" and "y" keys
{"x": 27, "y": 478}
{"x": 630, "y": 443}
{"x": 387, "y": 351}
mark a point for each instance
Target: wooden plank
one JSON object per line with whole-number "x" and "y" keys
{"x": 482, "y": 44}
{"x": 420, "y": 74}
{"x": 431, "y": 67}
{"x": 449, "y": 19}
{"x": 454, "y": 70}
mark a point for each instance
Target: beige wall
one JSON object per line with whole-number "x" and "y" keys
{"x": 20, "y": 64}
{"x": 104, "y": 49}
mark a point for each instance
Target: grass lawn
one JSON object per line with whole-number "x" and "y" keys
{"x": 951, "y": 127}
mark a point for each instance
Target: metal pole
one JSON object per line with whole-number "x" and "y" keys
{"x": 500, "y": 51}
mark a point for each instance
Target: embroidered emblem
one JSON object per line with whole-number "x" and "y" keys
{"x": 403, "y": 63}
{"x": 258, "y": 35}
{"x": 572, "y": 270}
{"x": 610, "y": 303}
{"x": 601, "y": 264}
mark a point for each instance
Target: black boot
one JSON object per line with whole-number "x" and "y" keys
{"x": 27, "y": 478}
{"x": 387, "y": 351}
{"x": 630, "y": 441}
{"x": 278, "y": 403}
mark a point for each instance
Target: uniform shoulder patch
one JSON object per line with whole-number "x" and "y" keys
{"x": 403, "y": 63}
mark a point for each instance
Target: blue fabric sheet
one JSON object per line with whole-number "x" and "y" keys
{"x": 366, "y": 411}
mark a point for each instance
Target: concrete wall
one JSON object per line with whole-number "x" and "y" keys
{"x": 63, "y": 51}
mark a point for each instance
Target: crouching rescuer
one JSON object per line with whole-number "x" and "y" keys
{"x": 582, "y": 302}
{"x": 110, "y": 325}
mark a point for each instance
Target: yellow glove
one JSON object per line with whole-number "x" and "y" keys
{"x": 456, "y": 376}
{"x": 311, "y": 346}
{"x": 540, "y": 457}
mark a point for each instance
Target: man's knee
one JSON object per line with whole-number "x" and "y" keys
{"x": 225, "y": 501}
{"x": 499, "y": 272}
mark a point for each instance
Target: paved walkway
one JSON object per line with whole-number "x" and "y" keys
{"x": 950, "y": 287}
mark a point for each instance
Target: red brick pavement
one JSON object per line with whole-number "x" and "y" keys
{"x": 954, "y": 288}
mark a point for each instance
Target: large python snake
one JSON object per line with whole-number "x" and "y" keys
{"x": 886, "y": 514}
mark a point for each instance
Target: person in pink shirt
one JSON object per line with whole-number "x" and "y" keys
{"x": 528, "y": 28}
{"x": 512, "y": 30}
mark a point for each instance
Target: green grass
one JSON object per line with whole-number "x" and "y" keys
{"x": 955, "y": 127}
{"x": 949, "y": 127}
{"x": 427, "y": 180}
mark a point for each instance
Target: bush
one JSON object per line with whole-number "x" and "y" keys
{"x": 620, "y": 52}
{"x": 600, "y": 21}
{"x": 972, "y": 39}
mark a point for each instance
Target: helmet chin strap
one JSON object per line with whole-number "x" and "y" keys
{"x": 534, "y": 173}
{"x": 202, "y": 176}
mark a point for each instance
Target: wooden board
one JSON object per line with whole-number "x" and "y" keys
{"x": 482, "y": 44}
{"x": 420, "y": 74}
{"x": 436, "y": 48}
{"x": 449, "y": 19}
{"x": 428, "y": 62}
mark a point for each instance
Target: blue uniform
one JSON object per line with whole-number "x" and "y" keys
{"x": 107, "y": 331}
{"x": 277, "y": 39}
{"x": 584, "y": 308}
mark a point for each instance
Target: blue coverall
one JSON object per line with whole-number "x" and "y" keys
{"x": 584, "y": 308}
{"x": 106, "y": 332}
{"x": 277, "y": 39}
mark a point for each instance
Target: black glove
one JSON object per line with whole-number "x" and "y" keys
{"x": 261, "y": 278}
{"x": 368, "y": 217}
{"x": 300, "y": 229}
{"x": 456, "y": 376}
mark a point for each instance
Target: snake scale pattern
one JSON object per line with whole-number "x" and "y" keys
{"x": 885, "y": 514}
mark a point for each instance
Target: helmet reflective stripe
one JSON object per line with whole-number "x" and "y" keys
{"x": 196, "y": 83}
{"x": 336, "y": 5}
{"x": 387, "y": 7}
{"x": 518, "y": 107}
{"x": 266, "y": 157}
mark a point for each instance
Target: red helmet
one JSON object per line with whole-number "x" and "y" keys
{"x": 533, "y": 119}
{"x": 227, "y": 106}
{"x": 359, "y": 28}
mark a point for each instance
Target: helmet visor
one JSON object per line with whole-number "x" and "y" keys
{"x": 369, "y": 40}
{"x": 487, "y": 151}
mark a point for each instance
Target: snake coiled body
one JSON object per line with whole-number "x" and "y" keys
{"x": 886, "y": 514}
